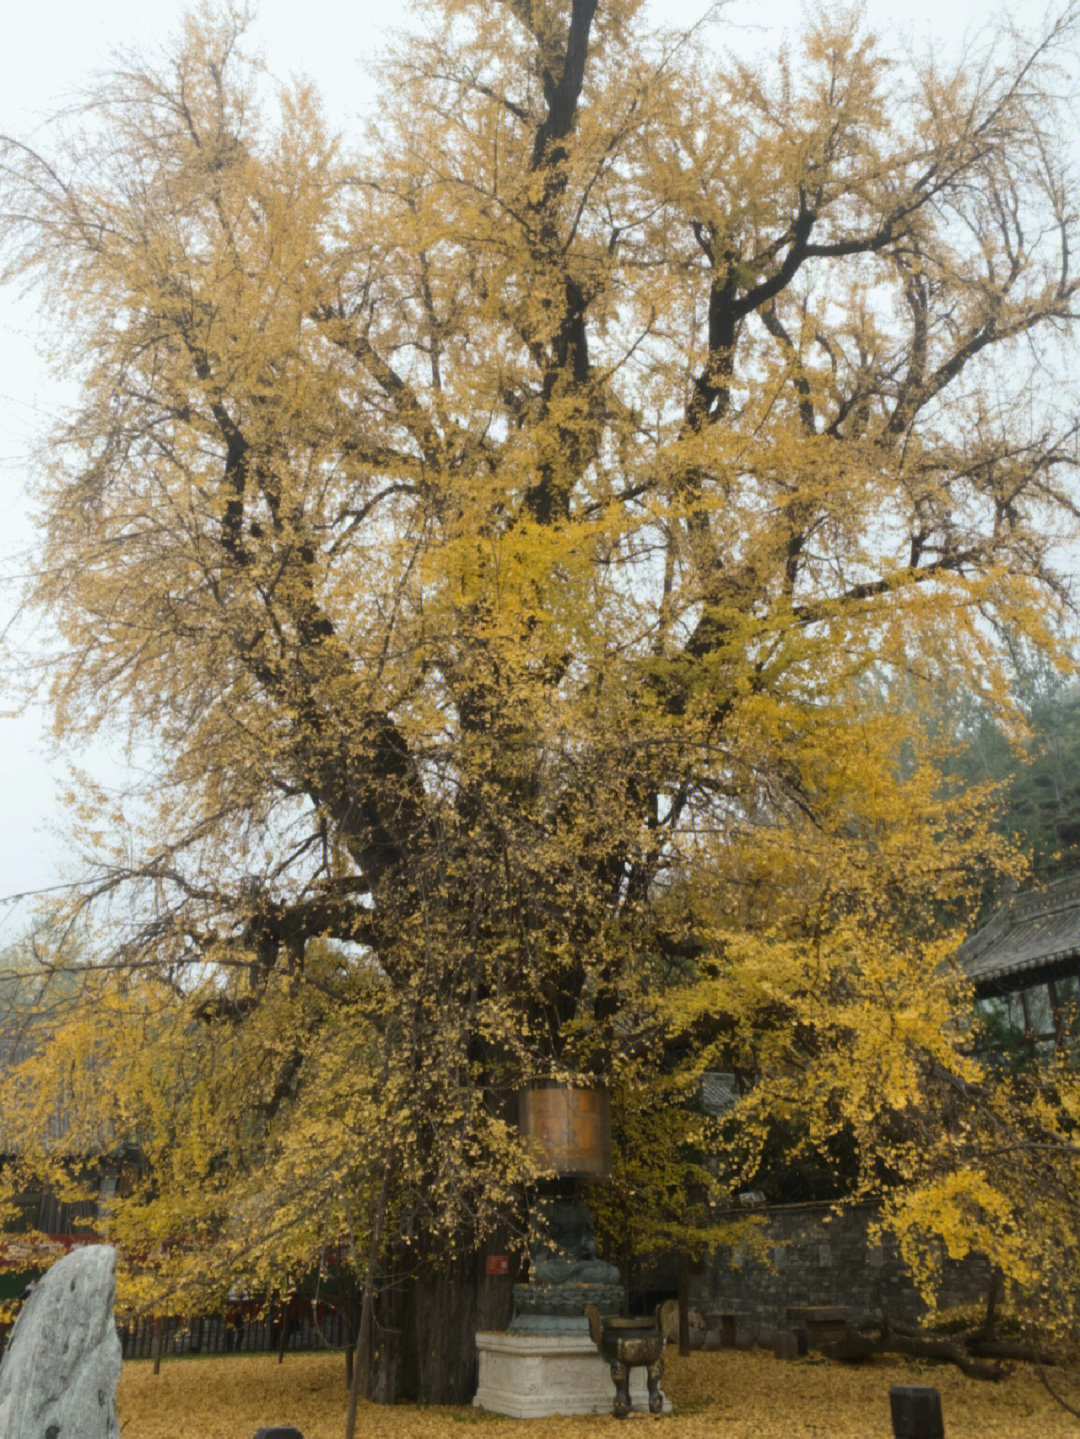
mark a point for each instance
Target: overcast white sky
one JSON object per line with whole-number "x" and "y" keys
{"x": 52, "y": 50}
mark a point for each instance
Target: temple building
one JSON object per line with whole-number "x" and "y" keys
{"x": 1025, "y": 966}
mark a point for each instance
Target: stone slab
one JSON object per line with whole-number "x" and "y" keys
{"x": 528, "y": 1376}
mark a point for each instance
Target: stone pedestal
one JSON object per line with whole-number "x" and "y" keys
{"x": 529, "y": 1375}
{"x": 550, "y": 1309}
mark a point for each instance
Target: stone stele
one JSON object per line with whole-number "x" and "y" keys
{"x": 58, "y": 1379}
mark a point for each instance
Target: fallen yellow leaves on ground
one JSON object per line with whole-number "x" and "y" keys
{"x": 733, "y": 1394}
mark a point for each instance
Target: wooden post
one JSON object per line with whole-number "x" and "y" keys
{"x": 684, "y": 1304}
{"x": 916, "y": 1412}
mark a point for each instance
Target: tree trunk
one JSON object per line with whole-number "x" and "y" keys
{"x": 423, "y": 1342}
{"x": 442, "y": 1315}
{"x": 684, "y": 1304}
{"x": 362, "y": 1368}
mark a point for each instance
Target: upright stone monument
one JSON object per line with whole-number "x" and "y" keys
{"x": 59, "y": 1374}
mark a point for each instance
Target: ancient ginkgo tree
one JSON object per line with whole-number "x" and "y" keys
{"x": 512, "y": 542}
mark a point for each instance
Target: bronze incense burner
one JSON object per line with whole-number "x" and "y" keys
{"x": 625, "y": 1343}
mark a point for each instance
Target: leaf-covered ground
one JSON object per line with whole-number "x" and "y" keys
{"x": 728, "y": 1395}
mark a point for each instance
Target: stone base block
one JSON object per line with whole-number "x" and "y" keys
{"x": 528, "y": 1376}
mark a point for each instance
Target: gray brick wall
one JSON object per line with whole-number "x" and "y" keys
{"x": 807, "y": 1254}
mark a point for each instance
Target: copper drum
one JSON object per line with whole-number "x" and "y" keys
{"x": 568, "y": 1127}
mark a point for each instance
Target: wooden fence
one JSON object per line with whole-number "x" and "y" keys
{"x": 223, "y": 1334}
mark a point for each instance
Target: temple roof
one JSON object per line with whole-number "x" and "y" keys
{"x": 1032, "y": 937}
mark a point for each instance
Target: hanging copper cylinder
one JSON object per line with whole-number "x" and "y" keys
{"x": 568, "y": 1126}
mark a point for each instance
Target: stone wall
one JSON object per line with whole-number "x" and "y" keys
{"x": 807, "y": 1254}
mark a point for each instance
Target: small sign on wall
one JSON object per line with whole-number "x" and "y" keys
{"x": 498, "y": 1264}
